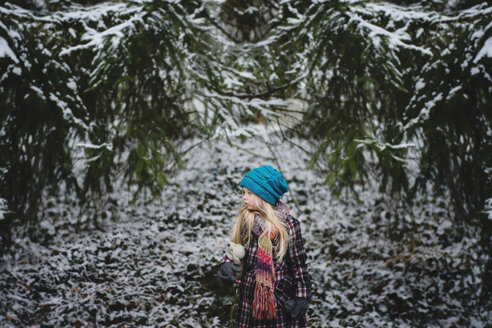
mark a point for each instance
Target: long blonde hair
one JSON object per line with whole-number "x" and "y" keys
{"x": 241, "y": 232}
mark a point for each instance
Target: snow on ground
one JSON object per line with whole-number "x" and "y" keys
{"x": 374, "y": 263}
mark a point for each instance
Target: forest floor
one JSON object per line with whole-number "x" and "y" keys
{"x": 153, "y": 263}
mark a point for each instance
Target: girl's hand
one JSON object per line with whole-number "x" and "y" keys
{"x": 227, "y": 272}
{"x": 297, "y": 307}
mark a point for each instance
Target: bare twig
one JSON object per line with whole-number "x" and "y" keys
{"x": 193, "y": 146}
{"x": 277, "y": 162}
{"x": 267, "y": 93}
{"x": 248, "y": 151}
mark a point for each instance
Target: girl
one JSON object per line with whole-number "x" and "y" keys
{"x": 275, "y": 287}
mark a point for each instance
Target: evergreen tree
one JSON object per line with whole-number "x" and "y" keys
{"x": 105, "y": 84}
{"x": 390, "y": 84}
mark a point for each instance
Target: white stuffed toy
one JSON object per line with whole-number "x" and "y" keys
{"x": 235, "y": 253}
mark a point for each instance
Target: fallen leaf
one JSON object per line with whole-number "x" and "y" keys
{"x": 24, "y": 285}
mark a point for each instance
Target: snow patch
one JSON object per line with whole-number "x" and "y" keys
{"x": 6, "y": 51}
{"x": 485, "y": 52}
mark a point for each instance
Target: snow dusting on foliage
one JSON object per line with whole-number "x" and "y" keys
{"x": 3, "y": 208}
{"x": 127, "y": 259}
{"x": 374, "y": 263}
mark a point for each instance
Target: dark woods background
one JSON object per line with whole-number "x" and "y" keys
{"x": 98, "y": 96}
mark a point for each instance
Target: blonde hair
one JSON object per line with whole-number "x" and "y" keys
{"x": 241, "y": 232}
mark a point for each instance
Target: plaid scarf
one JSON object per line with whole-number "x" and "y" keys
{"x": 264, "y": 298}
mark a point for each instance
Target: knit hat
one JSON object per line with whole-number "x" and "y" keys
{"x": 266, "y": 183}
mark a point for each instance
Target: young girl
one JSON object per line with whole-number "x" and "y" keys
{"x": 275, "y": 287}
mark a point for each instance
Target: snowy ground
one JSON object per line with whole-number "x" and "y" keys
{"x": 374, "y": 264}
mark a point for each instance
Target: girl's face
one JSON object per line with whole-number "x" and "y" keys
{"x": 250, "y": 200}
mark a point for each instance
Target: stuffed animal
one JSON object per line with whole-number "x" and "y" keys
{"x": 235, "y": 253}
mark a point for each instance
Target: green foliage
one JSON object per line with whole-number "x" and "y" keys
{"x": 248, "y": 76}
{"x": 353, "y": 85}
{"x": 450, "y": 112}
{"x": 247, "y": 20}
{"x": 90, "y": 94}
{"x": 110, "y": 90}
{"x": 390, "y": 85}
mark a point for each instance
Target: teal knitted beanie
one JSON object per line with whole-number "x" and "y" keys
{"x": 266, "y": 183}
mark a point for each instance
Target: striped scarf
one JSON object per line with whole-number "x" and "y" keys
{"x": 264, "y": 301}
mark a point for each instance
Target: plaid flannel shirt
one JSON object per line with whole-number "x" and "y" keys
{"x": 292, "y": 279}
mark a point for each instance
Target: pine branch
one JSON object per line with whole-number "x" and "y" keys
{"x": 266, "y": 93}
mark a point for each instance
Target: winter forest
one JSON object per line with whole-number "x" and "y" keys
{"x": 126, "y": 127}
